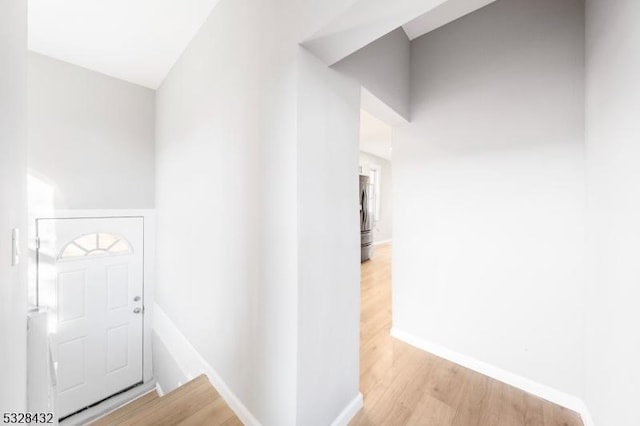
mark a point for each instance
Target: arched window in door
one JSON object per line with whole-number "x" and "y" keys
{"x": 95, "y": 244}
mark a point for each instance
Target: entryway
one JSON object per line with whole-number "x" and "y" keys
{"x": 90, "y": 279}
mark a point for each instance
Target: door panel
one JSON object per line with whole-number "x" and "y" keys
{"x": 71, "y": 295}
{"x": 117, "y": 348}
{"x": 72, "y": 356}
{"x": 90, "y": 276}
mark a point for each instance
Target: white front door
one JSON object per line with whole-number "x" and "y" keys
{"x": 90, "y": 277}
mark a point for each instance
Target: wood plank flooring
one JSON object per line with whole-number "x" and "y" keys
{"x": 194, "y": 403}
{"x": 403, "y": 385}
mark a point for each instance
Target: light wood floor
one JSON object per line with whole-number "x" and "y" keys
{"x": 193, "y": 404}
{"x": 403, "y": 385}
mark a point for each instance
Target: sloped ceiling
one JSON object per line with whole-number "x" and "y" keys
{"x": 442, "y": 15}
{"x": 133, "y": 40}
{"x": 368, "y": 20}
{"x": 140, "y": 40}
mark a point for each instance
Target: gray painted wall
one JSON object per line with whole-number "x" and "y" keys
{"x": 234, "y": 300}
{"x": 489, "y": 191}
{"x": 328, "y": 241}
{"x": 228, "y": 154}
{"x": 613, "y": 149}
{"x": 382, "y": 227}
{"x": 13, "y": 203}
{"x": 383, "y": 68}
{"x": 91, "y": 137}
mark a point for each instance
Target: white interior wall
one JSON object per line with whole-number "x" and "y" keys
{"x": 328, "y": 262}
{"x": 383, "y": 68}
{"x": 613, "y": 108}
{"x": 13, "y": 204}
{"x": 382, "y": 227}
{"x": 91, "y": 138}
{"x": 227, "y": 163}
{"x": 210, "y": 165}
{"x": 489, "y": 191}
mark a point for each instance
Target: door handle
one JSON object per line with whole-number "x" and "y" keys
{"x": 137, "y": 310}
{"x": 136, "y": 299}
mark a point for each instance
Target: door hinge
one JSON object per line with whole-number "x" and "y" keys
{"x": 37, "y": 243}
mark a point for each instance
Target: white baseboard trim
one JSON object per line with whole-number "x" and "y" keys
{"x": 349, "y": 411}
{"x": 586, "y": 415}
{"x": 538, "y": 389}
{"x": 159, "y": 390}
{"x": 192, "y": 364}
{"x": 377, "y": 243}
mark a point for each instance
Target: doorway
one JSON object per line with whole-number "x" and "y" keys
{"x": 90, "y": 278}
{"x": 375, "y": 167}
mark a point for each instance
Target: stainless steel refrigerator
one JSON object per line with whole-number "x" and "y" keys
{"x": 366, "y": 220}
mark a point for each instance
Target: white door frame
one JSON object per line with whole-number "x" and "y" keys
{"x": 149, "y": 255}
